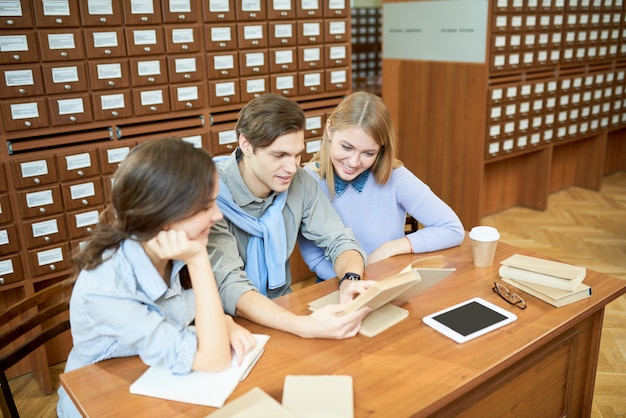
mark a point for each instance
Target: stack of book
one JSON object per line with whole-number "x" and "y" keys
{"x": 553, "y": 282}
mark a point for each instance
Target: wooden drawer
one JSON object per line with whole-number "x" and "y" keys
{"x": 88, "y": 192}
{"x": 11, "y": 270}
{"x": 185, "y": 39}
{"x": 336, "y": 31}
{"x": 61, "y": 44}
{"x": 253, "y": 62}
{"x": 70, "y": 109}
{"x": 25, "y": 115}
{"x": 180, "y": 11}
{"x": 314, "y": 123}
{"x": 224, "y": 92}
{"x": 81, "y": 224}
{"x": 222, "y": 11}
{"x": 281, "y": 9}
{"x": 252, "y": 87}
{"x": 252, "y": 35}
{"x": 34, "y": 172}
{"x": 222, "y": 65}
{"x": 103, "y": 43}
{"x": 338, "y": 80}
{"x": 185, "y": 69}
{"x": 22, "y": 18}
{"x": 252, "y": 10}
{"x": 58, "y": 17}
{"x": 337, "y": 55}
{"x": 283, "y": 60}
{"x": 21, "y": 81}
{"x": 18, "y": 47}
{"x": 285, "y": 84}
{"x": 145, "y": 41}
{"x": 223, "y": 138}
{"x": 112, "y": 105}
{"x": 102, "y": 17}
{"x": 311, "y": 82}
{"x": 151, "y": 101}
{"x": 220, "y": 37}
{"x": 111, "y": 157}
{"x": 310, "y": 32}
{"x": 61, "y": 78}
{"x": 148, "y": 14}
{"x": 282, "y": 34}
{"x": 41, "y": 232}
{"x": 148, "y": 71}
{"x": 40, "y": 202}
{"x": 75, "y": 166}
{"x": 109, "y": 74}
{"x": 8, "y": 240}
{"x": 310, "y": 57}
{"x": 187, "y": 97}
{"x": 50, "y": 260}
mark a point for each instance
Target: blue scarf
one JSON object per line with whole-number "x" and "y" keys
{"x": 358, "y": 183}
{"x": 266, "y": 254}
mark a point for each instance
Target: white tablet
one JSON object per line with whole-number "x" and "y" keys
{"x": 469, "y": 319}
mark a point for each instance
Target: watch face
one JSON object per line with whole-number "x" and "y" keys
{"x": 353, "y": 276}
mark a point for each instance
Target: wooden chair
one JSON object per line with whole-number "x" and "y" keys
{"x": 26, "y": 325}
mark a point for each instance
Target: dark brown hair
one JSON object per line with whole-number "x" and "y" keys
{"x": 265, "y": 118}
{"x": 159, "y": 182}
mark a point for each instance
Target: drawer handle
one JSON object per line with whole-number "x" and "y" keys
{"x": 151, "y": 79}
{"x": 182, "y": 17}
{"x": 22, "y": 91}
{"x": 107, "y": 52}
{"x": 2, "y": 281}
{"x": 47, "y": 239}
{"x": 222, "y": 44}
{"x": 146, "y": 49}
{"x": 84, "y": 202}
{"x": 17, "y": 57}
{"x": 80, "y": 172}
{"x": 36, "y": 180}
{"x": 187, "y": 76}
{"x": 72, "y": 118}
{"x": 42, "y": 210}
{"x": 188, "y": 105}
{"x": 103, "y": 20}
{"x": 53, "y": 267}
{"x": 90, "y": 229}
{"x": 153, "y": 108}
{"x": 111, "y": 83}
{"x": 27, "y": 123}
{"x": 284, "y": 41}
{"x": 185, "y": 47}
{"x": 252, "y": 15}
{"x": 64, "y": 54}
{"x": 10, "y": 22}
{"x": 67, "y": 87}
{"x": 59, "y": 20}
{"x": 221, "y": 16}
{"x": 227, "y": 99}
{"x": 114, "y": 113}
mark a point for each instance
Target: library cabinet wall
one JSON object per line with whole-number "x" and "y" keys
{"x": 545, "y": 111}
{"x": 83, "y": 81}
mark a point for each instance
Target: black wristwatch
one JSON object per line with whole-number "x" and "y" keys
{"x": 349, "y": 276}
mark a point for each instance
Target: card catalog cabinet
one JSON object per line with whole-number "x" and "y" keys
{"x": 544, "y": 111}
{"x": 83, "y": 81}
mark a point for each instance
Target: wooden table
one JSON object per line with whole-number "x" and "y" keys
{"x": 542, "y": 365}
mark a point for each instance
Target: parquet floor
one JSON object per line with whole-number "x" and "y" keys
{"x": 580, "y": 226}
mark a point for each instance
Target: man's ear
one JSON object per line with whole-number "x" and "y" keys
{"x": 245, "y": 145}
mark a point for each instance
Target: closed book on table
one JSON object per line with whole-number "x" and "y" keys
{"x": 535, "y": 270}
{"x": 555, "y": 297}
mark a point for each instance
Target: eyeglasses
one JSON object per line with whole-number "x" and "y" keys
{"x": 512, "y": 298}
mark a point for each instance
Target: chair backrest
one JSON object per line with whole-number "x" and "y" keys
{"x": 26, "y": 325}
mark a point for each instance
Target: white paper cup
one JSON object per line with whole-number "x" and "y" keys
{"x": 484, "y": 242}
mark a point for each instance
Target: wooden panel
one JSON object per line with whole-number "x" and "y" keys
{"x": 443, "y": 141}
{"x": 615, "y": 159}
{"x": 516, "y": 181}
{"x": 579, "y": 163}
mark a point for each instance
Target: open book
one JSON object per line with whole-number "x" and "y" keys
{"x": 535, "y": 270}
{"x": 201, "y": 388}
{"x": 386, "y": 294}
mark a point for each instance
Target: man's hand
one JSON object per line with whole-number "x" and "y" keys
{"x": 327, "y": 322}
{"x": 350, "y": 289}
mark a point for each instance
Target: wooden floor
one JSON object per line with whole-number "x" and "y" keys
{"x": 580, "y": 226}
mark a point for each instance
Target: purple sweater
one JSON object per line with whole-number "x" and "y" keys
{"x": 378, "y": 214}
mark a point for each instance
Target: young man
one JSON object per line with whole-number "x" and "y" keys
{"x": 267, "y": 198}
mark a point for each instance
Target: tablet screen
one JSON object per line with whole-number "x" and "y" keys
{"x": 469, "y": 319}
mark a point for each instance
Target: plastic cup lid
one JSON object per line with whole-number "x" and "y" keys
{"x": 484, "y": 233}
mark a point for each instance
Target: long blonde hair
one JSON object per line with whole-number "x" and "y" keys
{"x": 368, "y": 112}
